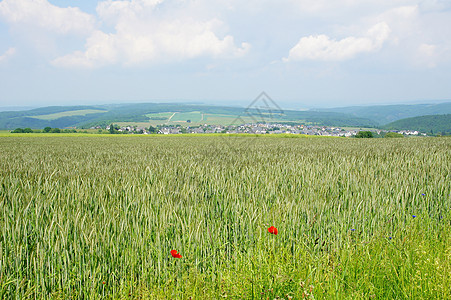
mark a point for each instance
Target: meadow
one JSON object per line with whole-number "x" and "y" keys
{"x": 96, "y": 217}
{"x": 71, "y": 113}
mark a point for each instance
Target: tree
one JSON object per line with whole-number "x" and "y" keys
{"x": 28, "y": 130}
{"x": 47, "y": 129}
{"x": 17, "y": 130}
{"x": 55, "y": 130}
{"x": 364, "y": 134}
{"x": 152, "y": 129}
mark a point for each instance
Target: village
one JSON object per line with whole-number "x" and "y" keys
{"x": 258, "y": 128}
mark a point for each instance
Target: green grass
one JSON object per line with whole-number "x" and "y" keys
{"x": 212, "y": 119}
{"x": 195, "y": 117}
{"x": 77, "y": 211}
{"x": 71, "y": 113}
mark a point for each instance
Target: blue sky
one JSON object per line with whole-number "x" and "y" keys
{"x": 303, "y": 53}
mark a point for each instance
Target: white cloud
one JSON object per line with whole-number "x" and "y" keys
{"x": 322, "y": 6}
{"x": 403, "y": 20}
{"x": 322, "y": 47}
{"x": 114, "y": 10}
{"x": 101, "y": 50}
{"x": 5, "y": 56}
{"x": 138, "y": 32}
{"x": 42, "y": 14}
{"x": 420, "y": 33}
{"x": 144, "y": 34}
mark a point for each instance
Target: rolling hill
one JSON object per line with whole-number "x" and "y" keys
{"x": 384, "y": 114}
{"x": 432, "y": 124}
{"x": 146, "y": 114}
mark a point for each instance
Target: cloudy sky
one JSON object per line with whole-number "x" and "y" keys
{"x": 303, "y": 53}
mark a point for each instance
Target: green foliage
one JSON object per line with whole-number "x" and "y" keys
{"x": 116, "y": 218}
{"x": 112, "y": 130}
{"x": 141, "y": 112}
{"x": 393, "y": 135}
{"x": 68, "y": 131}
{"x": 152, "y": 129}
{"x": 364, "y": 134}
{"x": 434, "y": 124}
{"x": 45, "y": 130}
{"x": 13, "y": 119}
{"x": 364, "y": 117}
{"x": 383, "y": 114}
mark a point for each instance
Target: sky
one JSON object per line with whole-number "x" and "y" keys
{"x": 302, "y": 53}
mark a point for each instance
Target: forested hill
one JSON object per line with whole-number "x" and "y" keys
{"x": 433, "y": 124}
{"x": 83, "y": 116}
{"x": 180, "y": 113}
{"x": 384, "y": 114}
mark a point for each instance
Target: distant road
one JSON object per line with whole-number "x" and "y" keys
{"x": 169, "y": 120}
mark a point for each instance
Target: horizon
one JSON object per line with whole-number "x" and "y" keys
{"x": 234, "y": 104}
{"x": 304, "y": 54}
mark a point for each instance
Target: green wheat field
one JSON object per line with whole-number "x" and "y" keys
{"x": 97, "y": 217}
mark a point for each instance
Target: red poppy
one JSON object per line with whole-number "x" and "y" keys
{"x": 175, "y": 254}
{"x": 103, "y": 282}
{"x": 272, "y": 230}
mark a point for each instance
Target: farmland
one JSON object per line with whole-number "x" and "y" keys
{"x": 146, "y": 114}
{"x": 200, "y": 118}
{"x": 82, "y": 112}
{"x": 97, "y": 217}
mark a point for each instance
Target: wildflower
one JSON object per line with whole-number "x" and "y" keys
{"x": 273, "y": 230}
{"x": 175, "y": 254}
{"x": 352, "y": 229}
{"x": 103, "y": 282}
{"x": 423, "y": 194}
{"x": 413, "y": 216}
{"x": 390, "y": 237}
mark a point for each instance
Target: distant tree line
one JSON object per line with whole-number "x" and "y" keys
{"x": 364, "y": 134}
{"x": 45, "y": 130}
